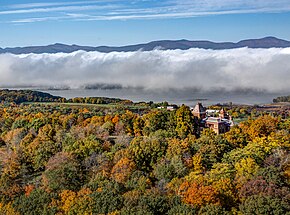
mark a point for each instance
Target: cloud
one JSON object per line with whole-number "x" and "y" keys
{"x": 53, "y": 4}
{"x": 42, "y": 19}
{"x": 140, "y": 9}
{"x": 156, "y": 15}
{"x": 133, "y": 16}
{"x": 223, "y": 5}
{"x": 206, "y": 70}
{"x": 58, "y": 9}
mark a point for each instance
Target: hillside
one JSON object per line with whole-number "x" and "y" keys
{"x": 20, "y": 96}
{"x": 267, "y": 42}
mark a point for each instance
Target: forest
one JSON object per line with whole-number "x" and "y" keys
{"x": 282, "y": 99}
{"x": 82, "y": 160}
{"x": 24, "y": 96}
{"x": 20, "y": 96}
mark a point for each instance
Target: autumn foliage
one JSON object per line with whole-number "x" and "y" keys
{"x": 70, "y": 159}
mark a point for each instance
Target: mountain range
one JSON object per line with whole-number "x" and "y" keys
{"x": 267, "y": 42}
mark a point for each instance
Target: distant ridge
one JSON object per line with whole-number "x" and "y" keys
{"x": 267, "y": 42}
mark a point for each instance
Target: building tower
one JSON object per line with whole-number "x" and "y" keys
{"x": 199, "y": 111}
{"x": 223, "y": 114}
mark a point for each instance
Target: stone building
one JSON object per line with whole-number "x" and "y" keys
{"x": 219, "y": 125}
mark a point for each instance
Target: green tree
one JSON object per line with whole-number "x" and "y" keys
{"x": 212, "y": 210}
{"x": 154, "y": 121}
{"x": 146, "y": 151}
{"x": 62, "y": 172}
{"x": 37, "y": 202}
{"x": 106, "y": 196}
{"x": 184, "y": 122}
{"x": 264, "y": 205}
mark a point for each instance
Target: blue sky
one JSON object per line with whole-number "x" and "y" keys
{"x": 120, "y": 22}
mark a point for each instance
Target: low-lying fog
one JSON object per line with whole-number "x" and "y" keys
{"x": 240, "y": 70}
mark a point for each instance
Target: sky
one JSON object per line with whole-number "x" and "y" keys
{"x": 120, "y": 22}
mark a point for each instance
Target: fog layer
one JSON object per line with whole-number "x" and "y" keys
{"x": 256, "y": 69}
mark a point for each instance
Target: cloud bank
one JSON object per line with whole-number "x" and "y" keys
{"x": 206, "y": 70}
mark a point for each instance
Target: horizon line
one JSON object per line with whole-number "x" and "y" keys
{"x": 147, "y": 42}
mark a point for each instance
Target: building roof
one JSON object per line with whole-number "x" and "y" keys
{"x": 218, "y": 120}
{"x": 199, "y": 108}
{"x": 213, "y": 119}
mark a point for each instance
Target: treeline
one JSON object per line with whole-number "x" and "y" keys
{"x": 282, "y": 99}
{"x": 69, "y": 160}
{"x": 99, "y": 100}
{"x": 20, "y": 96}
